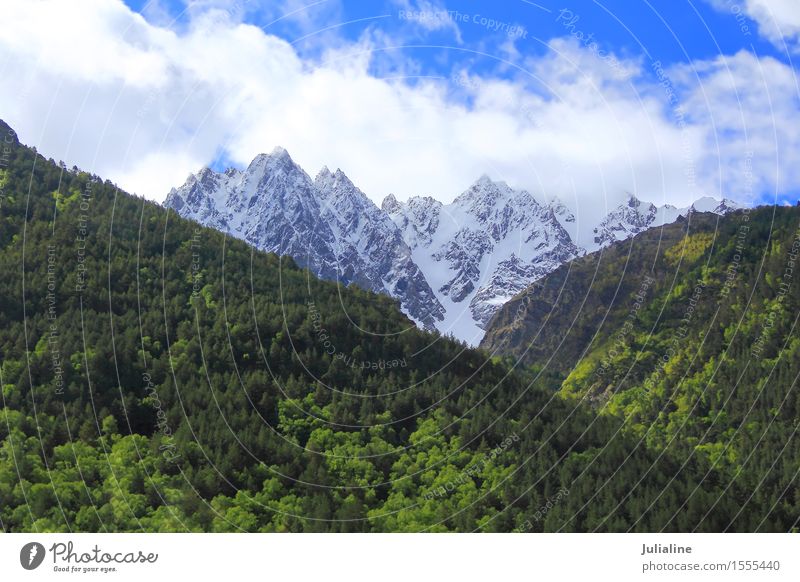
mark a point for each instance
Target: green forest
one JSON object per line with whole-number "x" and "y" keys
{"x": 686, "y": 334}
{"x": 159, "y": 376}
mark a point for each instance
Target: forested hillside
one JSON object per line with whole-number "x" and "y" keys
{"x": 158, "y": 376}
{"x": 688, "y": 335}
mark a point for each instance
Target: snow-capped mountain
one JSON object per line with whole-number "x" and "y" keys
{"x": 635, "y": 216}
{"x": 482, "y": 249}
{"x": 492, "y": 242}
{"x": 451, "y": 266}
{"x": 327, "y": 225}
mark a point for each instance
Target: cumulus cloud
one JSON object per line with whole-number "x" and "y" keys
{"x": 94, "y": 84}
{"x": 778, "y": 20}
{"x": 749, "y": 108}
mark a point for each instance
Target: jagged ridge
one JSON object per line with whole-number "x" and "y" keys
{"x": 326, "y": 224}
{"x": 451, "y": 266}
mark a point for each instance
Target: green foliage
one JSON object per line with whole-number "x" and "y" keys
{"x": 158, "y": 376}
{"x": 705, "y": 368}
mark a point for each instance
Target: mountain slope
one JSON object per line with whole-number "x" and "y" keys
{"x": 158, "y": 376}
{"x": 687, "y": 333}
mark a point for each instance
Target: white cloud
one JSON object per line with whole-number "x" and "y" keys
{"x": 94, "y": 84}
{"x": 749, "y": 109}
{"x": 428, "y": 15}
{"x": 778, "y": 20}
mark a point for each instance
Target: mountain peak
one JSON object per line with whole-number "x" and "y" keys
{"x": 390, "y": 205}
{"x": 426, "y": 200}
{"x": 277, "y": 162}
{"x": 483, "y": 191}
{"x": 632, "y": 201}
{"x": 203, "y": 176}
{"x": 487, "y": 183}
{"x": 279, "y": 152}
{"x": 323, "y": 173}
{"x": 328, "y": 182}
{"x": 709, "y": 204}
{"x": 277, "y": 155}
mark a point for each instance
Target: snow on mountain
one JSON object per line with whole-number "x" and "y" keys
{"x": 327, "y": 225}
{"x": 635, "y": 216}
{"x": 451, "y": 266}
{"x": 480, "y": 250}
{"x": 417, "y": 219}
{"x": 623, "y": 222}
{"x": 708, "y": 204}
{"x": 565, "y": 217}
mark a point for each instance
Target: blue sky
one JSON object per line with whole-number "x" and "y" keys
{"x": 670, "y": 100}
{"x": 672, "y": 31}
